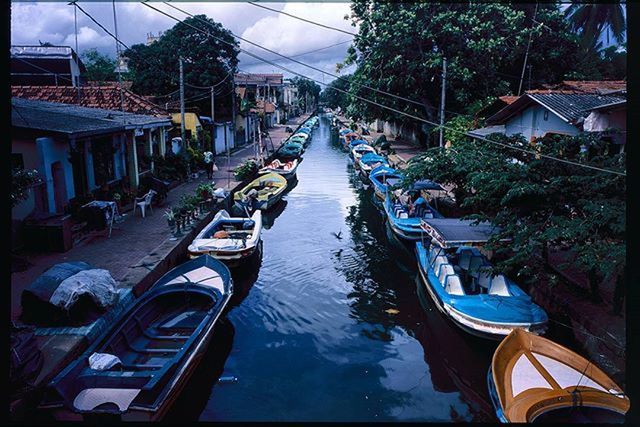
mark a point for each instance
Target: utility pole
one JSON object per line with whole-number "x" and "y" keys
{"x": 526, "y": 54}
{"x": 233, "y": 110}
{"x": 213, "y": 123}
{"x": 182, "y": 133}
{"x": 442, "y": 99}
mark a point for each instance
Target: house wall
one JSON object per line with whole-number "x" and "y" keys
{"x": 531, "y": 123}
{"x": 221, "y": 130}
{"x": 191, "y": 123}
{"x": 599, "y": 121}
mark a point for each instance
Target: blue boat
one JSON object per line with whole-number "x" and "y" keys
{"x": 368, "y": 162}
{"x": 345, "y": 131}
{"x": 458, "y": 278}
{"x": 382, "y": 178}
{"x": 403, "y": 222}
{"x": 137, "y": 368}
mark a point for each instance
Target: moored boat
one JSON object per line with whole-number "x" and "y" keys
{"x": 261, "y": 193}
{"x": 360, "y": 150}
{"x": 287, "y": 168}
{"x": 382, "y": 178}
{"x": 458, "y": 278}
{"x": 532, "y": 378}
{"x": 370, "y": 161}
{"x": 290, "y": 150}
{"x": 405, "y": 209}
{"x": 136, "y": 369}
{"x": 229, "y": 239}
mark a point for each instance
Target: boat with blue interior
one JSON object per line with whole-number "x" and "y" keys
{"x": 358, "y": 151}
{"x": 459, "y": 279}
{"x": 382, "y": 178}
{"x": 406, "y": 207}
{"x": 368, "y": 162}
{"x": 136, "y": 369}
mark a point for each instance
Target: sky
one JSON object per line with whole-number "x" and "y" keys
{"x": 53, "y": 22}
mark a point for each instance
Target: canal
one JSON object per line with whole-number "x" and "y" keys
{"x": 330, "y": 323}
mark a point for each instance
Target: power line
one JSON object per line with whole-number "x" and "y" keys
{"x": 57, "y": 75}
{"x": 387, "y": 107}
{"x": 303, "y": 53}
{"x": 303, "y": 19}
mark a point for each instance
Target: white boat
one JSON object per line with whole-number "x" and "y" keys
{"x": 228, "y": 239}
{"x": 285, "y": 168}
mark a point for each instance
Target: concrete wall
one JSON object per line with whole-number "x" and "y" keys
{"x": 221, "y": 130}
{"x": 405, "y": 132}
{"x": 531, "y": 123}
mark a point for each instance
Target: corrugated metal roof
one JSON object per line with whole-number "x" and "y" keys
{"x": 75, "y": 120}
{"x": 572, "y": 107}
{"x": 487, "y": 130}
{"x": 261, "y": 79}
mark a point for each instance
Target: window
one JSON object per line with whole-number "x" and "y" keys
{"x": 546, "y": 115}
{"x": 103, "y": 166}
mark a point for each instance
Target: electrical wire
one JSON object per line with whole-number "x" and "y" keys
{"x": 302, "y": 54}
{"x": 303, "y": 19}
{"x": 43, "y": 69}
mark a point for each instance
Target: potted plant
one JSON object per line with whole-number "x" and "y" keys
{"x": 245, "y": 170}
{"x": 171, "y": 217}
{"x": 118, "y": 199}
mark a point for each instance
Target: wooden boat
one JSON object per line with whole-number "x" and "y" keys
{"x": 360, "y": 150}
{"x": 382, "y": 178}
{"x": 158, "y": 343}
{"x": 228, "y": 239}
{"x": 533, "y": 379}
{"x": 403, "y": 224}
{"x": 301, "y": 137}
{"x": 458, "y": 278}
{"x": 287, "y": 169}
{"x": 347, "y": 138}
{"x": 369, "y": 161}
{"x": 290, "y": 150}
{"x": 261, "y": 193}
{"x": 297, "y": 139}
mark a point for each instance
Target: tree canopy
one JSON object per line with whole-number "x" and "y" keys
{"x": 206, "y": 60}
{"x": 100, "y": 67}
{"x": 336, "y": 98}
{"x": 306, "y": 87}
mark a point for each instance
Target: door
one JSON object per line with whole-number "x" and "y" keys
{"x": 59, "y": 186}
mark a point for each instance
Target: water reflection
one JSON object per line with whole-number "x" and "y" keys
{"x": 269, "y": 217}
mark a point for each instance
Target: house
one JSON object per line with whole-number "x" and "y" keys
{"x": 290, "y": 100}
{"x": 79, "y": 150}
{"x": 265, "y": 92}
{"x": 192, "y": 125}
{"x": 45, "y": 65}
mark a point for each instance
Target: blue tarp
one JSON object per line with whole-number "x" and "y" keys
{"x": 372, "y": 158}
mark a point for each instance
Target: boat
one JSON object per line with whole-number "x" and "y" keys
{"x": 297, "y": 139}
{"x": 459, "y": 280}
{"x": 382, "y": 178}
{"x": 301, "y": 137}
{"x": 347, "y": 138}
{"x": 261, "y": 193}
{"x": 154, "y": 347}
{"x": 404, "y": 223}
{"x": 359, "y": 150}
{"x": 533, "y": 379}
{"x": 289, "y": 150}
{"x": 228, "y": 239}
{"x": 368, "y": 162}
{"x": 287, "y": 168}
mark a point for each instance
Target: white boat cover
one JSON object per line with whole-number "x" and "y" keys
{"x": 96, "y": 283}
{"x": 103, "y": 361}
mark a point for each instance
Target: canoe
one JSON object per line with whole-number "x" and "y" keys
{"x": 285, "y": 168}
{"x": 405, "y": 226}
{"x": 458, "y": 278}
{"x": 368, "y": 162}
{"x": 532, "y": 378}
{"x": 261, "y": 193}
{"x": 228, "y": 239}
{"x": 382, "y": 178}
{"x": 158, "y": 343}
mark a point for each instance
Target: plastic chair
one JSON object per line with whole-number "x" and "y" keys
{"x": 143, "y": 202}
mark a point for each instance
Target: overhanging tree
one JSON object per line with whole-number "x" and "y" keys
{"x": 100, "y": 68}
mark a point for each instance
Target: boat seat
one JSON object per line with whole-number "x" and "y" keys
{"x": 452, "y": 285}
{"x": 464, "y": 259}
{"x": 499, "y": 286}
{"x": 474, "y": 265}
{"x": 444, "y": 271}
{"x": 440, "y": 259}
{"x": 484, "y": 279}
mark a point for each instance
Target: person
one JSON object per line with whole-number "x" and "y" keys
{"x": 208, "y": 161}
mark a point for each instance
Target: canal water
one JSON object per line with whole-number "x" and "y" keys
{"x": 330, "y": 322}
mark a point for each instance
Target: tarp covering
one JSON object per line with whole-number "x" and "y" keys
{"x": 95, "y": 283}
{"x": 37, "y": 305}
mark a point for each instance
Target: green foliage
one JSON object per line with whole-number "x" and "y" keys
{"x": 172, "y": 167}
{"x": 204, "y": 191}
{"x": 591, "y": 20}
{"x": 206, "y": 61}
{"x": 335, "y": 98}
{"x": 400, "y": 49}
{"x": 21, "y": 181}
{"x": 306, "y": 88}
{"x": 537, "y": 202}
{"x": 99, "y": 67}
{"x": 245, "y": 170}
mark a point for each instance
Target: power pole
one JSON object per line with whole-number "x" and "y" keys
{"x": 442, "y": 99}
{"x": 213, "y": 123}
{"x": 526, "y": 54}
{"x": 182, "y": 132}
{"x": 233, "y": 109}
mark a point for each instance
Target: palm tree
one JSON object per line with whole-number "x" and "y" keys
{"x": 592, "y": 19}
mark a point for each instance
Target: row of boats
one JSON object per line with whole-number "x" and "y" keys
{"x": 530, "y": 376}
{"x": 137, "y": 367}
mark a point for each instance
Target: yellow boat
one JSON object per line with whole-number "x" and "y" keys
{"x": 261, "y": 193}
{"x": 534, "y": 379}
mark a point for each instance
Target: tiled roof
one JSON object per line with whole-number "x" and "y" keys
{"x": 508, "y": 99}
{"x": 585, "y": 87}
{"x": 75, "y": 120}
{"x": 261, "y": 79}
{"x": 106, "y": 97}
{"x": 570, "y": 107}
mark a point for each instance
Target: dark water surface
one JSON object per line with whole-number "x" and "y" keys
{"x": 313, "y": 334}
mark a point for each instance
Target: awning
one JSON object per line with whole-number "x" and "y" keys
{"x": 453, "y": 232}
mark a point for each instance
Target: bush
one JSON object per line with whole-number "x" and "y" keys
{"x": 245, "y": 170}
{"x": 21, "y": 181}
